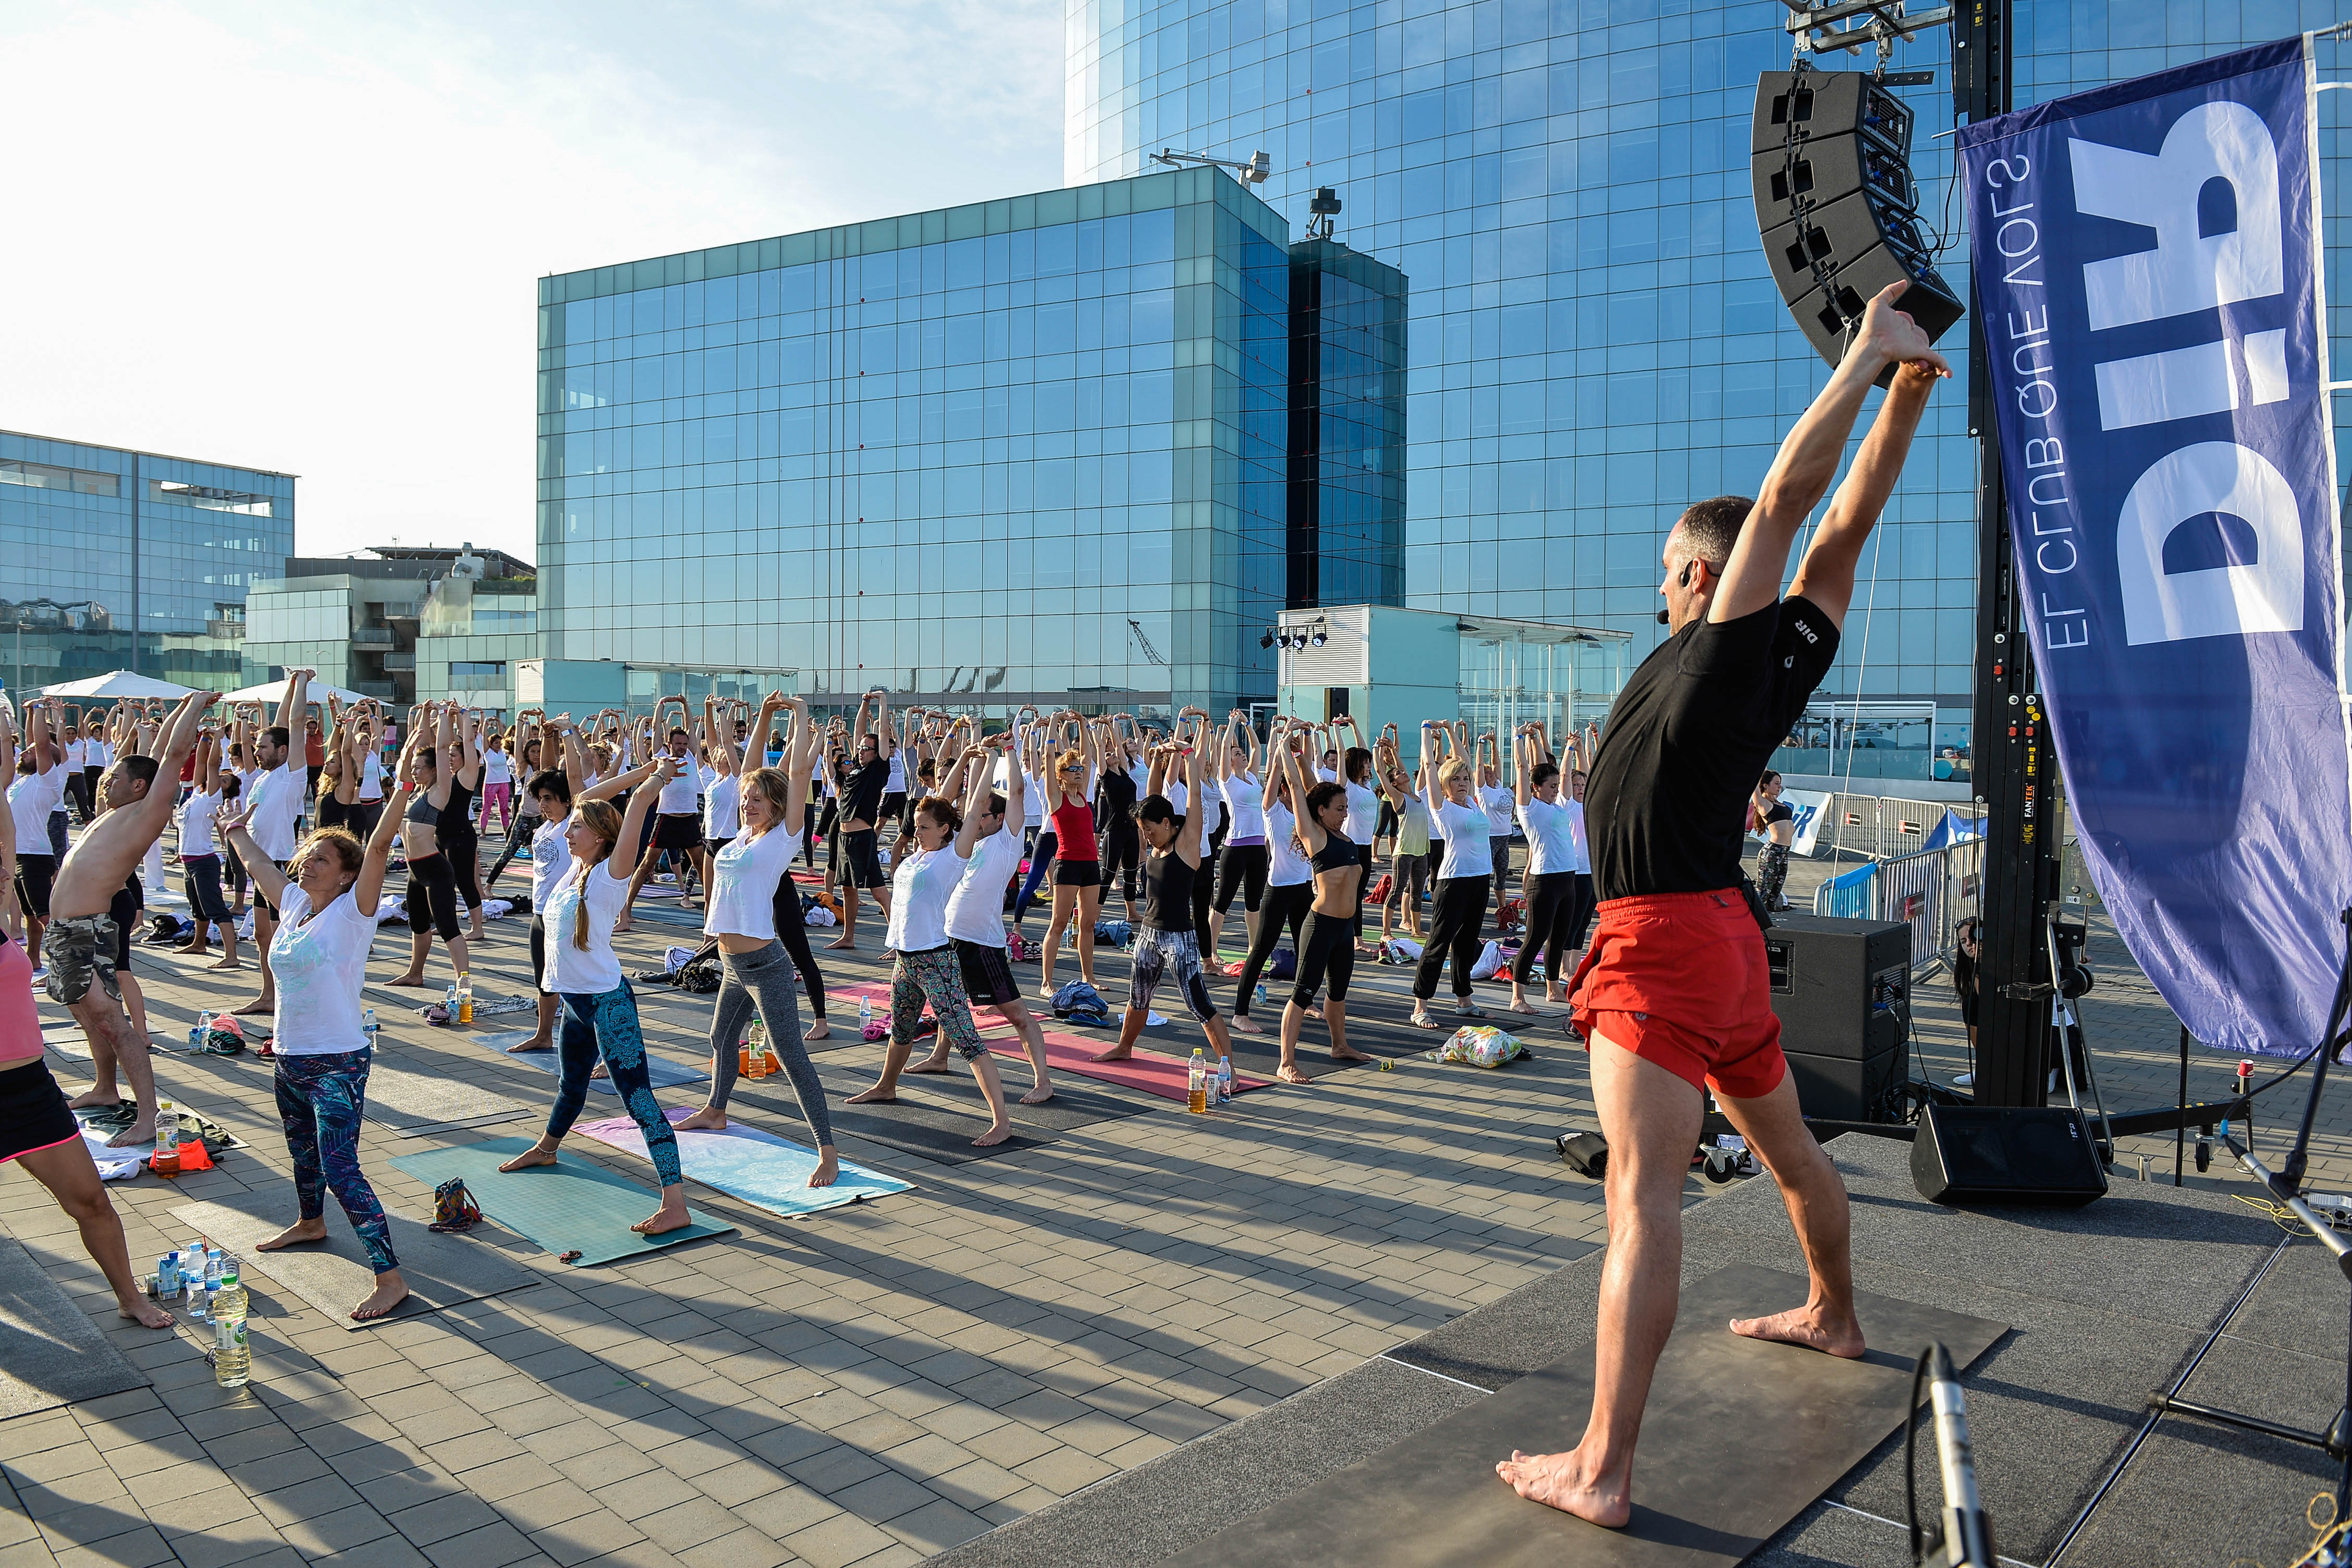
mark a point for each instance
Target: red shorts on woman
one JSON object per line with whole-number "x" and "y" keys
{"x": 1680, "y": 980}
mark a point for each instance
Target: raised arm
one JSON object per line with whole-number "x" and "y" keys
{"x": 36, "y": 737}
{"x": 367, "y": 892}
{"x": 11, "y": 917}
{"x": 1807, "y": 461}
{"x": 1285, "y": 749}
{"x": 976, "y": 792}
{"x": 291, "y": 705}
{"x": 1187, "y": 839}
{"x": 1016, "y": 791}
{"x": 799, "y": 756}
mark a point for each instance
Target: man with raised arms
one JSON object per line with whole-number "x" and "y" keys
{"x": 1672, "y": 994}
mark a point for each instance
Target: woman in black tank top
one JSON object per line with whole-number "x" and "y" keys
{"x": 1327, "y": 947}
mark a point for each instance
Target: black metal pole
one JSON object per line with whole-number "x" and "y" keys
{"x": 2180, "y": 1133}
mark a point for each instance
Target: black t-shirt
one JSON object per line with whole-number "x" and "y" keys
{"x": 861, "y": 790}
{"x": 1666, "y": 805}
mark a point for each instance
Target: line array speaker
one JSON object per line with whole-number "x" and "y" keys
{"x": 1836, "y": 207}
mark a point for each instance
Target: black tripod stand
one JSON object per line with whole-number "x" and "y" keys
{"x": 2286, "y": 1184}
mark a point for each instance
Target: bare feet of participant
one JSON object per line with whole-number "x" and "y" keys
{"x": 1810, "y": 1326}
{"x": 600, "y": 1070}
{"x": 539, "y": 1154}
{"x": 1243, "y": 1024}
{"x": 141, "y": 1311}
{"x": 877, "y": 1095}
{"x": 709, "y": 1119}
{"x": 828, "y": 1168}
{"x": 414, "y": 979}
{"x": 1568, "y": 1483}
{"x": 536, "y": 1043}
{"x": 262, "y": 1007}
{"x": 998, "y": 1132}
{"x": 671, "y": 1215}
{"x": 624, "y": 925}
{"x": 300, "y": 1232}
{"x": 937, "y": 1062}
{"x": 1041, "y": 1093}
{"x": 1115, "y": 1054}
{"x": 140, "y": 1132}
{"x": 225, "y": 964}
{"x": 819, "y": 1030}
{"x": 1292, "y": 1075}
{"x": 1349, "y": 1054}
{"x": 95, "y": 1098}
{"x": 844, "y": 944}
{"x": 390, "y": 1291}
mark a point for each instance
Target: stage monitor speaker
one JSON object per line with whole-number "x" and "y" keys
{"x": 1967, "y": 1154}
{"x": 1840, "y": 988}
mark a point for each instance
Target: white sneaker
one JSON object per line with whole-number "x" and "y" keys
{"x": 1964, "y": 1080}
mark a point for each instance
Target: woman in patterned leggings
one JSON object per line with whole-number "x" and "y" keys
{"x": 600, "y": 1011}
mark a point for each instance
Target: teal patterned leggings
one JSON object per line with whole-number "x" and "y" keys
{"x": 608, "y": 1021}
{"x": 320, "y": 1101}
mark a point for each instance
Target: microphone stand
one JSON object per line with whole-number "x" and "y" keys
{"x": 2285, "y": 1185}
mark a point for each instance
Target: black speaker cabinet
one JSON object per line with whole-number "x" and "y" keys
{"x": 1840, "y": 988}
{"x": 1849, "y": 1088}
{"x": 1835, "y": 237}
{"x": 1967, "y": 1154}
{"x": 1787, "y": 183}
{"x": 1829, "y": 103}
{"x": 1822, "y": 314}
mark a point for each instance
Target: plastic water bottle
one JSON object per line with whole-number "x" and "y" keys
{"x": 755, "y": 1050}
{"x": 1224, "y": 1081}
{"x": 232, "y": 1357}
{"x": 167, "y": 1140}
{"x": 865, "y": 1011}
{"x": 200, "y": 1035}
{"x": 465, "y": 998}
{"x": 1196, "y": 1085}
{"x": 198, "y": 1300}
{"x": 215, "y": 1266}
{"x": 368, "y": 1024}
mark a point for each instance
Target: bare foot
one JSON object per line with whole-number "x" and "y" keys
{"x": 92, "y": 1098}
{"x": 143, "y": 1311}
{"x": 1292, "y": 1075}
{"x": 193, "y": 949}
{"x": 997, "y": 1133}
{"x": 841, "y": 944}
{"x": 1813, "y": 1328}
{"x": 671, "y": 1215}
{"x": 539, "y": 1154}
{"x": 414, "y": 981}
{"x": 536, "y": 1043}
{"x": 828, "y": 1168}
{"x": 142, "y": 1130}
{"x": 225, "y": 963}
{"x": 877, "y": 1095}
{"x": 295, "y": 1235}
{"x": 1041, "y": 1094}
{"x": 264, "y": 1006}
{"x": 1524, "y": 1006}
{"x": 600, "y": 1070}
{"x": 624, "y": 925}
{"x": 1348, "y": 1054}
{"x": 1115, "y": 1054}
{"x": 707, "y": 1119}
{"x": 1241, "y": 1023}
{"x": 929, "y": 1064}
{"x": 1561, "y": 1481}
{"x": 390, "y": 1291}
{"x": 1316, "y": 1013}
{"x": 817, "y": 1031}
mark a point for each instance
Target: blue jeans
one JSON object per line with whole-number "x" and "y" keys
{"x": 319, "y": 1099}
{"x": 609, "y": 1022}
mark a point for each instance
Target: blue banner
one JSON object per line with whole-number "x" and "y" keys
{"x": 2148, "y": 279}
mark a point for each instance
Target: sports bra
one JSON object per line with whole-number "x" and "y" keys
{"x": 1338, "y": 851}
{"x": 423, "y": 812}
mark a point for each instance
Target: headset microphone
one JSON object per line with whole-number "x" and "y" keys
{"x": 1664, "y": 619}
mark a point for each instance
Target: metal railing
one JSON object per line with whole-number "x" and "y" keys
{"x": 1929, "y": 890}
{"x": 1877, "y": 827}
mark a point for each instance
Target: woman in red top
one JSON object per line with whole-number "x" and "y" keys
{"x": 1077, "y": 875}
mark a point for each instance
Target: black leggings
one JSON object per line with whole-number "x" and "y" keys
{"x": 464, "y": 853}
{"x": 1122, "y": 852}
{"x": 791, "y": 929}
{"x": 517, "y": 837}
{"x": 1458, "y": 910}
{"x": 1582, "y": 908}
{"x": 1363, "y": 886}
{"x": 1549, "y": 897}
{"x": 1242, "y": 870}
{"x": 1327, "y": 947}
{"x": 1283, "y": 906}
{"x": 432, "y": 895}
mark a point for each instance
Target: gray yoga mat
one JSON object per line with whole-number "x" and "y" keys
{"x": 51, "y": 1352}
{"x": 913, "y": 1125}
{"x": 416, "y": 1103}
{"x": 333, "y": 1275}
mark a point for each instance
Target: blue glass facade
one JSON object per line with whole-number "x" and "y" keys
{"x": 1025, "y": 449}
{"x": 1595, "y": 341}
{"x": 1346, "y": 511}
{"x": 96, "y": 541}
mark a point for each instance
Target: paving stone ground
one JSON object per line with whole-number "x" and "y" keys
{"x": 869, "y": 1385}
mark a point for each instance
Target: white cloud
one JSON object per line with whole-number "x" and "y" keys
{"x": 311, "y": 240}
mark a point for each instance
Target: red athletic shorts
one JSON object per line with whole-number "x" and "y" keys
{"x": 1679, "y": 979}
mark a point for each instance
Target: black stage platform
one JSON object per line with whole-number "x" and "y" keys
{"x": 2103, "y": 1305}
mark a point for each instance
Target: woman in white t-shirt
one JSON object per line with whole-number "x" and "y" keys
{"x": 755, "y": 972}
{"x": 1556, "y": 853}
{"x": 326, "y": 901}
{"x": 928, "y": 968}
{"x": 1461, "y": 902}
{"x": 497, "y": 780}
{"x": 600, "y": 1011}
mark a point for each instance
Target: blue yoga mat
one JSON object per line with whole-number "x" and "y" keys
{"x": 758, "y": 1167}
{"x": 571, "y": 1207}
{"x": 664, "y": 1073}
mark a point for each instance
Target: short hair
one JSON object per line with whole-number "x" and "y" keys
{"x": 1358, "y": 764}
{"x": 995, "y": 805}
{"x": 941, "y": 811}
{"x": 1323, "y": 794}
{"x": 550, "y": 781}
{"x": 278, "y": 736}
{"x": 1544, "y": 774}
{"x": 1451, "y": 772}
{"x": 139, "y": 768}
{"x": 340, "y": 842}
{"x": 1710, "y": 527}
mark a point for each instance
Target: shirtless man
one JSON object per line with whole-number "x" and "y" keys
{"x": 1685, "y": 742}
{"x": 80, "y": 944}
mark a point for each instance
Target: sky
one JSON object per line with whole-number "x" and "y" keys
{"x": 307, "y": 238}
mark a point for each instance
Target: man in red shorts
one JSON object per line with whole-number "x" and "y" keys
{"x": 1671, "y": 997}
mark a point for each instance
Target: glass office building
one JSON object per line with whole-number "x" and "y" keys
{"x": 1025, "y": 450}
{"x": 119, "y": 560}
{"x": 1595, "y": 341}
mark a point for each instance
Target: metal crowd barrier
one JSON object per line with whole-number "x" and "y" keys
{"x": 1876, "y": 827}
{"x": 1928, "y": 889}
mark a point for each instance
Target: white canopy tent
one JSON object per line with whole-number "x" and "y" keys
{"x": 270, "y": 692}
{"x": 116, "y": 684}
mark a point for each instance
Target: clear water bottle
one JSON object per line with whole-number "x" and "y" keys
{"x": 197, "y": 1300}
{"x": 167, "y": 1140}
{"x": 232, "y": 1357}
{"x": 368, "y": 1024}
{"x": 214, "y": 1269}
{"x": 201, "y": 1035}
{"x": 865, "y": 1011}
{"x": 1224, "y": 1081}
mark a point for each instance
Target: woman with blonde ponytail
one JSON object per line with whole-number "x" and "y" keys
{"x": 600, "y": 1011}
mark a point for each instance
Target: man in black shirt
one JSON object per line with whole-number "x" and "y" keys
{"x": 1672, "y": 994}
{"x": 862, "y": 787}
